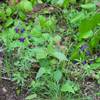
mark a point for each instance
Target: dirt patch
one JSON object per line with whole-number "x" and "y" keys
{"x": 8, "y": 91}
{"x": 91, "y": 89}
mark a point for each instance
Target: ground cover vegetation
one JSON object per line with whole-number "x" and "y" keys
{"x": 51, "y": 48}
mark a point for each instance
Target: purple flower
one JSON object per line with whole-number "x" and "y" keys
{"x": 16, "y": 30}
{"x": 75, "y": 62}
{"x": 91, "y": 62}
{"x": 21, "y": 39}
{"x": 84, "y": 62}
{"x": 22, "y": 30}
{"x": 83, "y": 47}
{"x": 88, "y": 53}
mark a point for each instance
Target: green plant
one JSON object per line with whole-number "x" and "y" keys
{"x": 52, "y": 51}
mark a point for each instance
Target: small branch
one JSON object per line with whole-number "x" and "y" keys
{"x": 5, "y": 78}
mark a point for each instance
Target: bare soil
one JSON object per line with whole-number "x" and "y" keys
{"x": 8, "y": 91}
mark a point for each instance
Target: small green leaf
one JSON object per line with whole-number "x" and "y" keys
{"x": 60, "y": 2}
{"x": 36, "y": 31}
{"x": 70, "y": 87}
{"x": 41, "y": 71}
{"x": 2, "y": 13}
{"x": 89, "y": 6}
{"x": 59, "y": 56}
{"x": 57, "y": 38}
{"x": 42, "y": 21}
{"x": 95, "y": 66}
{"x": 77, "y": 18}
{"x": 98, "y": 60}
{"x": 95, "y": 39}
{"x": 8, "y": 11}
{"x": 75, "y": 54}
{"x": 89, "y": 23}
{"x": 86, "y": 35}
{"x": 21, "y": 15}
{"x": 31, "y": 97}
{"x": 9, "y": 22}
{"x": 57, "y": 75}
{"x": 25, "y": 5}
{"x": 40, "y": 53}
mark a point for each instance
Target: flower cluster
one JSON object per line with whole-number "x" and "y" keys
{"x": 17, "y": 30}
{"x": 84, "y": 48}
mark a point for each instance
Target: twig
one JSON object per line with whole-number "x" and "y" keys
{"x": 6, "y": 78}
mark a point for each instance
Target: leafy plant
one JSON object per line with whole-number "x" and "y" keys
{"x": 50, "y": 52}
{"x": 70, "y": 87}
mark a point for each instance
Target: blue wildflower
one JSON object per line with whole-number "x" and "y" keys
{"x": 16, "y": 30}
{"x": 90, "y": 62}
{"x": 75, "y": 62}
{"x": 88, "y": 53}
{"x": 84, "y": 62}
{"x": 21, "y": 39}
{"x": 22, "y": 30}
{"x": 83, "y": 47}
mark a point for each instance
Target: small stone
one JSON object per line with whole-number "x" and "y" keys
{"x": 4, "y": 89}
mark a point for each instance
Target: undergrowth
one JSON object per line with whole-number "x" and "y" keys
{"x": 51, "y": 48}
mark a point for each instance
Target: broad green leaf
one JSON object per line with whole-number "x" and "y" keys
{"x": 95, "y": 66}
{"x": 34, "y": 2}
{"x": 57, "y": 75}
{"x": 40, "y": 53}
{"x": 98, "y": 60}
{"x": 75, "y": 54}
{"x": 57, "y": 38}
{"x": 89, "y": 24}
{"x": 31, "y": 97}
{"x": 66, "y": 3}
{"x": 2, "y": 13}
{"x": 21, "y": 15}
{"x": 89, "y": 6}
{"x": 86, "y": 35}
{"x": 95, "y": 39}
{"x": 46, "y": 36}
{"x": 70, "y": 87}
{"x": 25, "y": 5}
{"x": 41, "y": 71}
{"x": 78, "y": 18}
{"x": 50, "y": 24}
{"x": 71, "y": 1}
{"x": 59, "y": 55}
{"x": 9, "y": 22}
{"x": 42, "y": 21}
{"x": 60, "y": 2}
{"x": 15, "y": 44}
{"x": 8, "y": 11}
{"x": 36, "y": 31}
